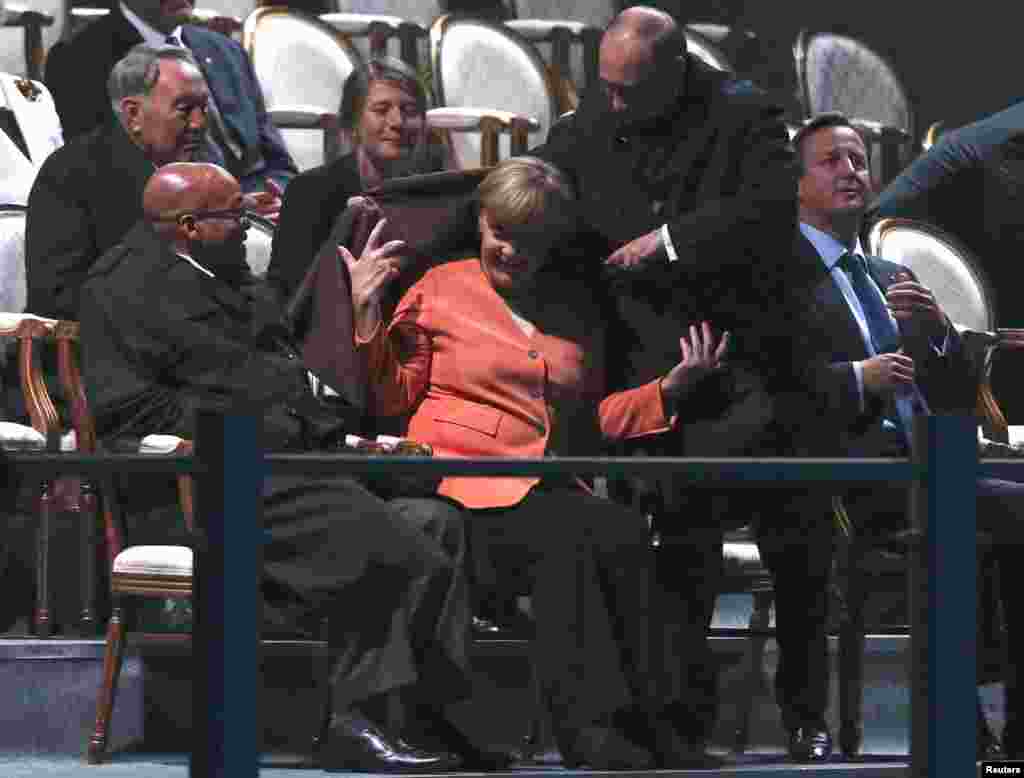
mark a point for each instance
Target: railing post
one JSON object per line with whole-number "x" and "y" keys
{"x": 942, "y": 599}
{"x": 226, "y": 597}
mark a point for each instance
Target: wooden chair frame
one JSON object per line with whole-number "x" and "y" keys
{"x": 72, "y": 495}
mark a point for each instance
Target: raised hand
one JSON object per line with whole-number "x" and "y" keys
{"x": 377, "y": 266}
{"x": 911, "y": 301}
{"x": 701, "y": 354}
{"x": 268, "y": 202}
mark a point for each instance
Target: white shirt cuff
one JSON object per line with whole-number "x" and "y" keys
{"x": 941, "y": 350}
{"x": 858, "y": 371}
{"x": 666, "y": 241}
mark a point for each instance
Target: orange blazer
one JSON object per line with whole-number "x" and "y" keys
{"x": 479, "y": 386}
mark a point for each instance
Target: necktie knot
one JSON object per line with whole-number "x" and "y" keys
{"x": 851, "y": 263}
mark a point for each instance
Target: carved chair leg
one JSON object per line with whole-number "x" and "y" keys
{"x": 42, "y": 618}
{"x": 88, "y": 522}
{"x": 112, "y": 661}
{"x": 760, "y": 621}
{"x": 851, "y": 663}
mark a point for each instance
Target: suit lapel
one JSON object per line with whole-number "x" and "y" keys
{"x": 225, "y": 82}
{"x": 831, "y": 314}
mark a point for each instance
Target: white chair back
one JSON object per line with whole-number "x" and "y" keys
{"x": 35, "y": 113}
{"x": 13, "y": 291}
{"x": 12, "y": 34}
{"x": 381, "y": 34}
{"x": 299, "y": 60}
{"x": 258, "y": 240}
{"x": 940, "y": 263}
{"x": 482, "y": 64}
{"x": 596, "y": 13}
{"x": 839, "y": 73}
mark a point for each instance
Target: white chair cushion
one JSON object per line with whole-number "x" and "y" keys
{"x": 741, "y": 557}
{"x": 19, "y": 437}
{"x": 154, "y": 560}
{"x": 159, "y": 444}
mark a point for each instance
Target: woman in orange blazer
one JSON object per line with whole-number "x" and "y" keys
{"x": 490, "y": 362}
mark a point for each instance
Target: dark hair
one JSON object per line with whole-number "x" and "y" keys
{"x": 357, "y": 86}
{"x": 821, "y": 121}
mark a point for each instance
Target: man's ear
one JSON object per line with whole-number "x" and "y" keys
{"x": 131, "y": 109}
{"x": 188, "y": 228}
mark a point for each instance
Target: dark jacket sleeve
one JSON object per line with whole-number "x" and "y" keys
{"x": 60, "y": 243}
{"x": 79, "y": 91}
{"x": 280, "y": 165}
{"x": 311, "y": 205}
{"x": 930, "y": 189}
{"x": 761, "y": 213}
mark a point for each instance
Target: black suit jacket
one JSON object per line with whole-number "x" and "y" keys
{"x": 313, "y": 201}
{"x": 718, "y": 169}
{"x": 77, "y": 72}
{"x": 824, "y": 417}
{"x": 86, "y": 196}
{"x": 164, "y": 340}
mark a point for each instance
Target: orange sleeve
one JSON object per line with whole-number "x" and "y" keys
{"x": 634, "y": 412}
{"x": 398, "y": 359}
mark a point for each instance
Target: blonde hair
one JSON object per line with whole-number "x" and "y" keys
{"x": 522, "y": 190}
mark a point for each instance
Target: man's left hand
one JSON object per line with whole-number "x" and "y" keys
{"x": 915, "y": 303}
{"x": 267, "y": 203}
{"x": 639, "y": 254}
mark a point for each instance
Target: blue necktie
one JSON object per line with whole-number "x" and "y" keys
{"x": 885, "y": 336}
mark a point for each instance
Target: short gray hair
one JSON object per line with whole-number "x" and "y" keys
{"x": 137, "y": 72}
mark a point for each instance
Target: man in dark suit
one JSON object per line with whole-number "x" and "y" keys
{"x": 685, "y": 183}
{"x": 89, "y": 193}
{"x": 242, "y": 138}
{"x": 971, "y": 184}
{"x": 174, "y": 323}
{"x": 873, "y": 349}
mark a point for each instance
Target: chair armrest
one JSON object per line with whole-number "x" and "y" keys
{"x": 302, "y": 117}
{"x": 536, "y": 30}
{"x": 488, "y": 122}
{"x": 18, "y": 15}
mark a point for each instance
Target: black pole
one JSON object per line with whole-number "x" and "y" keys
{"x": 226, "y": 601}
{"x": 942, "y": 600}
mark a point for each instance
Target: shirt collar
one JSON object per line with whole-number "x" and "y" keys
{"x": 195, "y": 264}
{"x": 828, "y": 248}
{"x": 150, "y": 35}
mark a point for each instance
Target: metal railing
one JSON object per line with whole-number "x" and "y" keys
{"x": 230, "y": 466}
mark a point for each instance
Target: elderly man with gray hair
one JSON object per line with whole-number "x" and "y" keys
{"x": 87, "y": 194}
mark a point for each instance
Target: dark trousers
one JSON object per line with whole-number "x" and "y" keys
{"x": 796, "y": 545}
{"x": 387, "y": 576}
{"x": 587, "y": 564}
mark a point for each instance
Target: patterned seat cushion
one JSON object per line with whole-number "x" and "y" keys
{"x": 154, "y": 560}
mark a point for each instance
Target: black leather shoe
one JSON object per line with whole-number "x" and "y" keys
{"x": 356, "y": 744}
{"x": 810, "y": 744}
{"x": 430, "y": 728}
{"x": 602, "y": 748}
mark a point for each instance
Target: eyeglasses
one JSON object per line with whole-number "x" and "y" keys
{"x": 228, "y": 214}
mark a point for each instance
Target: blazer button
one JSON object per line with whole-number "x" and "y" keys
{"x": 536, "y": 394}
{"x": 533, "y": 353}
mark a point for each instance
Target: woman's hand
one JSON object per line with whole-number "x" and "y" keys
{"x": 376, "y": 267}
{"x": 702, "y": 355}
